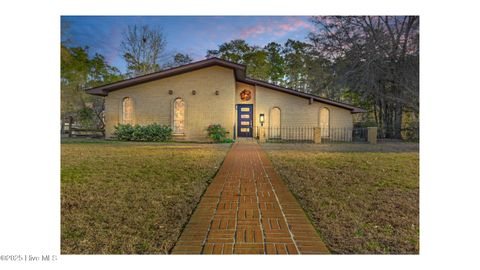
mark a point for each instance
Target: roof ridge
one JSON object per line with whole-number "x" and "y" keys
{"x": 313, "y": 95}
{"x": 239, "y": 72}
{"x": 319, "y": 98}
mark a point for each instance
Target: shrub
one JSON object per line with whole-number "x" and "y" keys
{"x": 148, "y": 133}
{"x": 217, "y": 133}
{"x": 86, "y": 116}
{"x": 124, "y": 132}
{"x": 138, "y": 133}
{"x": 411, "y": 132}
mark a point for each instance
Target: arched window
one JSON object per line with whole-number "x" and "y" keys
{"x": 178, "y": 116}
{"x": 275, "y": 123}
{"x": 127, "y": 111}
{"x": 325, "y": 122}
{"x": 275, "y": 117}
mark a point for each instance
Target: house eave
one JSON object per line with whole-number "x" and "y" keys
{"x": 352, "y": 109}
{"x": 239, "y": 71}
{"x": 240, "y": 76}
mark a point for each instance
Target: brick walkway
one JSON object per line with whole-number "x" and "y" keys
{"x": 248, "y": 210}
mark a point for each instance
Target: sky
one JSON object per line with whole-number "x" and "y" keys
{"x": 184, "y": 34}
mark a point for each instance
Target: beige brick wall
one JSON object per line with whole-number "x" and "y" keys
{"x": 296, "y": 111}
{"x": 153, "y": 104}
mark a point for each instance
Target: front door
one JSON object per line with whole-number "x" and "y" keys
{"x": 245, "y": 120}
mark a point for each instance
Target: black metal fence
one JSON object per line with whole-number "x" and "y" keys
{"x": 344, "y": 134}
{"x": 411, "y": 134}
{"x": 410, "y": 131}
{"x": 290, "y": 134}
{"x": 307, "y": 134}
{"x": 359, "y": 134}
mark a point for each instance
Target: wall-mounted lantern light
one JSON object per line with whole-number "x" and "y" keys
{"x": 262, "y": 119}
{"x": 194, "y": 92}
{"x": 170, "y": 92}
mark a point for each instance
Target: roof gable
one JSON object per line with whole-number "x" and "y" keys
{"x": 239, "y": 71}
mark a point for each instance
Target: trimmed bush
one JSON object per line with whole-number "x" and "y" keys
{"x": 148, "y": 133}
{"x": 124, "y": 132}
{"x": 217, "y": 133}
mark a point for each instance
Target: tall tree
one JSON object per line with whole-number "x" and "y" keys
{"x": 379, "y": 60}
{"x": 182, "y": 59}
{"x": 321, "y": 77}
{"x": 233, "y": 51}
{"x": 297, "y": 58}
{"x": 258, "y": 66}
{"x": 80, "y": 71}
{"x": 238, "y": 51}
{"x": 276, "y": 63}
{"x": 142, "y": 48}
{"x": 179, "y": 59}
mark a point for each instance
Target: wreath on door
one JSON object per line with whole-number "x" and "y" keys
{"x": 246, "y": 95}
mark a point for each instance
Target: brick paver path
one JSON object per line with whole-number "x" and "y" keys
{"x": 248, "y": 210}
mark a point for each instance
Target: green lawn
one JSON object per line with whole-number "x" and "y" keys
{"x": 130, "y": 198}
{"x": 365, "y": 201}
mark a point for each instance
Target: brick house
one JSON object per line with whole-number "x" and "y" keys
{"x": 191, "y": 97}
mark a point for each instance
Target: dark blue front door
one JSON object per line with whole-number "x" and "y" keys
{"x": 245, "y": 120}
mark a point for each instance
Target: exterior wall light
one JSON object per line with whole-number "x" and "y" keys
{"x": 262, "y": 119}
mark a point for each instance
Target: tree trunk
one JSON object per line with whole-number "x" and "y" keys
{"x": 375, "y": 113}
{"x": 386, "y": 120}
{"x": 380, "y": 119}
{"x": 398, "y": 121}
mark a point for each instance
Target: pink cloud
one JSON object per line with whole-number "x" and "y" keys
{"x": 254, "y": 31}
{"x": 278, "y": 28}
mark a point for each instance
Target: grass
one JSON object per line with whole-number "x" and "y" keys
{"x": 131, "y": 198}
{"x": 361, "y": 202}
